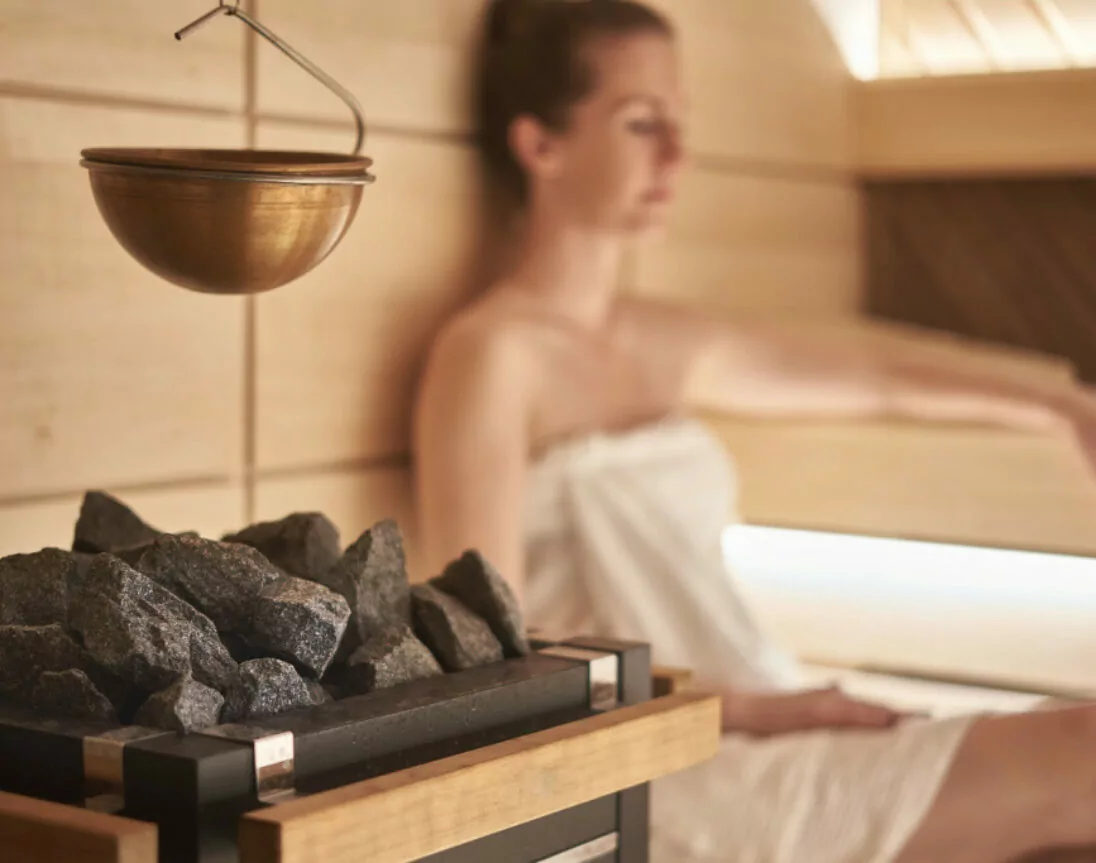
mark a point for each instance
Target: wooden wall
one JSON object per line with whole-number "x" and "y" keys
{"x": 768, "y": 220}
{"x": 107, "y": 377}
{"x": 979, "y": 214}
{"x": 207, "y": 412}
{"x": 1002, "y": 259}
{"x": 1005, "y": 124}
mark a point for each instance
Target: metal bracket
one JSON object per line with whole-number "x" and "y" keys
{"x": 273, "y": 754}
{"x": 604, "y": 672}
{"x": 104, "y": 765}
{"x": 296, "y": 56}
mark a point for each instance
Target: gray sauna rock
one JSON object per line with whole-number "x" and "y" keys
{"x": 390, "y": 657}
{"x": 372, "y": 576}
{"x": 186, "y": 705}
{"x": 133, "y": 555}
{"x": 304, "y": 544}
{"x": 458, "y": 638}
{"x": 105, "y": 524}
{"x": 264, "y": 687}
{"x": 300, "y": 621}
{"x": 26, "y": 652}
{"x": 222, "y": 580}
{"x": 79, "y": 572}
{"x": 478, "y": 585}
{"x": 34, "y": 587}
{"x": 143, "y": 633}
{"x": 71, "y": 693}
{"x": 319, "y": 692}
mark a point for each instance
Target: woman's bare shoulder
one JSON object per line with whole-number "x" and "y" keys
{"x": 482, "y": 345}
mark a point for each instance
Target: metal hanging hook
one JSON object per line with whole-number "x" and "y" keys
{"x": 224, "y": 8}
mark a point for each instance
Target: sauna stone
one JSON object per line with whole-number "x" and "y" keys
{"x": 143, "y": 633}
{"x": 372, "y": 576}
{"x": 222, "y": 580}
{"x": 71, "y": 693}
{"x": 26, "y": 652}
{"x": 176, "y": 631}
{"x": 264, "y": 687}
{"x": 34, "y": 587}
{"x": 300, "y": 621}
{"x": 186, "y": 705}
{"x": 304, "y": 544}
{"x": 105, "y": 524}
{"x": 319, "y": 692}
{"x": 390, "y": 657}
{"x": 456, "y": 636}
{"x": 479, "y": 586}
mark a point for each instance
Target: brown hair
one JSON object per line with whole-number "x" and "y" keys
{"x": 532, "y": 63}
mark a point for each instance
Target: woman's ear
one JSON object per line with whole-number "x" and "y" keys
{"x": 535, "y": 147}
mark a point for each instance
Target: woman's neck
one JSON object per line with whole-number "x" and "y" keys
{"x": 572, "y": 271}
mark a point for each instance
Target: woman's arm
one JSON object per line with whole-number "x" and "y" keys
{"x": 470, "y": 450}
{"x": 823, "y": 372}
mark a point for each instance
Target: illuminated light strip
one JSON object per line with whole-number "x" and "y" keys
{"x": 999, "y": 615}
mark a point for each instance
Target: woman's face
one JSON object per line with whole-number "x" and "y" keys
{"x": 616, "y": 165}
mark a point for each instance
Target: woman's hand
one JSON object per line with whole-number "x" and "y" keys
{"x": 767, "y": 714}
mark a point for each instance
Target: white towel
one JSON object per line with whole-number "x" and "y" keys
{"x": 624, "y": 541}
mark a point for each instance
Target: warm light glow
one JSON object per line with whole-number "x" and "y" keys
{"x": 945, "y": 37}
{"x": 993, "y": 614}
{"x": 854, "y": 25}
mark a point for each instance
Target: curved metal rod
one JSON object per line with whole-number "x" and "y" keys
{"x": 292, "y": 54}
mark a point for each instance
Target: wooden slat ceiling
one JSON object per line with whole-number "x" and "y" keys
{"x": 946, "y": 37}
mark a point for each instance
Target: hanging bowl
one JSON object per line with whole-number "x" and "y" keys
{"x": 227, "y": 221}
{"x": 231, "y": 221}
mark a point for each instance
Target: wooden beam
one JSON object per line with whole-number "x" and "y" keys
{"x": 40, "y": 831}
{"x": 1007, "y": 124}
{"x": 413, "y": 813}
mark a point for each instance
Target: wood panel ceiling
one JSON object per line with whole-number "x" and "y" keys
{"x": 947, "y": 37}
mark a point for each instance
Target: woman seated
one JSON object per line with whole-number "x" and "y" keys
{"x": 551, "y": 434}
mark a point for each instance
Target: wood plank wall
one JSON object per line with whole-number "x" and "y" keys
{"x": 980, "y": 209}
{"x": 207, "y": 412}
{"x": 1002, "y": 259}
{"x": 1007, "y": 124}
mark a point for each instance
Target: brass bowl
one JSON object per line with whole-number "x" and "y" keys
{"x": 227, "y": 221}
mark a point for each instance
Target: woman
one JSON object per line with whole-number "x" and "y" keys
{"x": 549, "y": 435}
